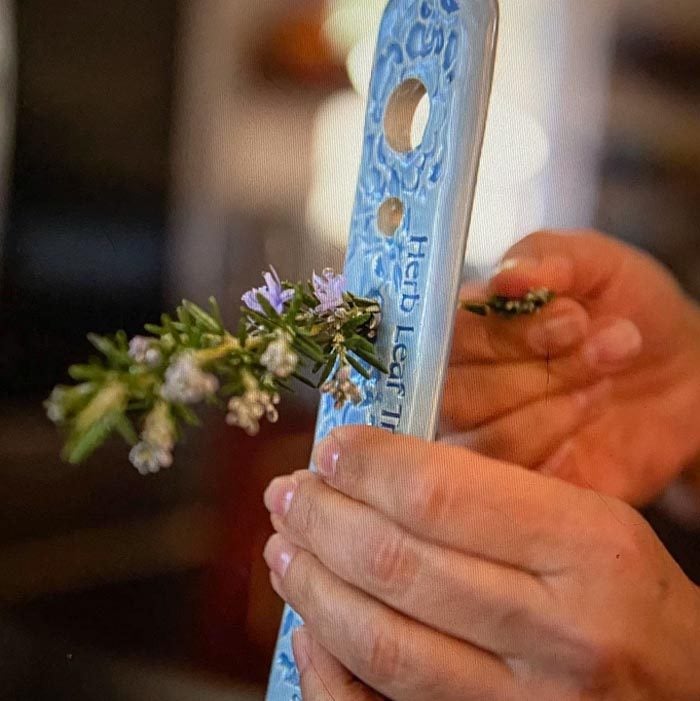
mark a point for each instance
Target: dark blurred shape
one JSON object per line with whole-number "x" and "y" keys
{"x": 650, "y": 191}
{"x": 91, "y": 174}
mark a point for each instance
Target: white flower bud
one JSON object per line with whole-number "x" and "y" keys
{"x": 278, "y": 357}
{"x": 147, "y": 458}
{"x": 246, "y": 411}
{"x": 186, "y": 383}
{"x": 142, "y": 351}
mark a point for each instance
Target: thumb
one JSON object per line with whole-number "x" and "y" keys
{"x": 579, "y": 264}
{"x": 322, "y": 677}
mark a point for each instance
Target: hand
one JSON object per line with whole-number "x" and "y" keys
{"x": 602, "y": 388}
{"x": 434, "y": 573}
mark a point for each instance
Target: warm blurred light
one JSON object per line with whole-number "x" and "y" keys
{"x": 336, "y": 165}
{"x": 509, "y": 198}
{"x": 349, "y": 21}
{"x": 538, "y": 165}
{"x": 359, "y": 63}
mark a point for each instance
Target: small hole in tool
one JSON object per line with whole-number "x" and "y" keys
{"x": 390, "y": 216}
{"x": 406, "y": 116}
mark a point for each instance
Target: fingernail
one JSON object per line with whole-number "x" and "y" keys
{"x": 615, "y": 344}
{"x": 556, "y": 334}
{"x": 325, "y": 456}
{"x": 301, "y": 646}
{"x": 590, "y": 398}
{"x": 279, "y": 494}
{"x": 554, "y": 464}
{"x": 278, "y": 554}
{"x": 519, "y": 263}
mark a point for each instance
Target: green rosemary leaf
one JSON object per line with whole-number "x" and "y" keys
{"x": 358, "y": 342}
{"x": 359, "y": 367}
{"x": 122, "y": 341}
{"x": 511, "y": 307}
{"x": 327, "y": 369}
{"x": 242, "y": 334}
{"x": 83, "y": 443}
{"x": 308, "y": 348}
{"x": 126, "y": 430}
{"x": 185, "y": 414}
{"x": 105, "y": 345}
{"x": 295, "y": 305}
{"x": 353, "y": 324}
{"x": 371, "y": 359}
{"x": 475, "y": 308}
{"x": 265, "y": 321}
{"x": 207, "y": 322}
{"x": 87, "y": 373}
{"x": 184, "y": 317}
{"x": 155, "y": 329}
{"x": 216, "y": 312}
{"x": 267, "y": 307}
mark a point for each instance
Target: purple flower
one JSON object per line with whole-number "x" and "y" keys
{"x": 272, "y": 292}
{"x": 329, "y": 289}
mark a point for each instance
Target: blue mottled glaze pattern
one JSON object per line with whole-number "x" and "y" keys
{"x": 449, "y": 46}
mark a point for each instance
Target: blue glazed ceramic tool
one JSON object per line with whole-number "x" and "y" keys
{"x": 409, "y": 226}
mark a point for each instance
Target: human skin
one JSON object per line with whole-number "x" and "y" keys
{"x": 601, "y": 390}
{"x": 428, "y": 571}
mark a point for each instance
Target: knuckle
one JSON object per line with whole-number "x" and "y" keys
{"x": 384, "y": 653}
{"x": 305, "y": 513}
{"x": 513, "y": 614}
{"x": 308, "y": 584}
{"x": 600, "y": 659}
{"x": 427, "y": 498}
{"x": 594, "y": 651}
{"x": 355, "y": 443}
{"x": 392, "y": 564}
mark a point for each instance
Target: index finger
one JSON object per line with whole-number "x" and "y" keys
{"x": 577, "y": 264}
{"x": 459, "y": 499}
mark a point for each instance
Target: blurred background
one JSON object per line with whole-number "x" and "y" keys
{"x": 150, "y": 151}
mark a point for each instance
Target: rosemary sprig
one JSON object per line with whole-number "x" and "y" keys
{"x": 146, "y": 389}
{"x": 510, "y": 307}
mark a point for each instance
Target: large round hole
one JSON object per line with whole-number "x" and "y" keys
{"x": 390, "y": 216}
{"x": 406, "y": 115}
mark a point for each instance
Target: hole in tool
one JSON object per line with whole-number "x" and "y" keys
{"x": 406, "y": 116}
{"x": 390, "y": 216}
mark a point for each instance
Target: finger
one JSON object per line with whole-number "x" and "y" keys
{"x": 480, "y": 393}
{"x": 494, "y": 607}
{"x": 528, "y": 436}
{"x": 380, "y": 646}
{"x": 457, "y": 498}
{"x": 578, "y": 263}
{"x": 322, "y": 677}
{"x": 556, "y": 329}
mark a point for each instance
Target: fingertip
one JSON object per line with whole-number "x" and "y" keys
{"x": 559, "y": 328}
{"x": 614, "y": 345}
{"x": 516, "y": 276}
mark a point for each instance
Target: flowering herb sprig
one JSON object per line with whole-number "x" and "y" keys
{"x": 510, "y": 307}
{"x": 146, "y": 388}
